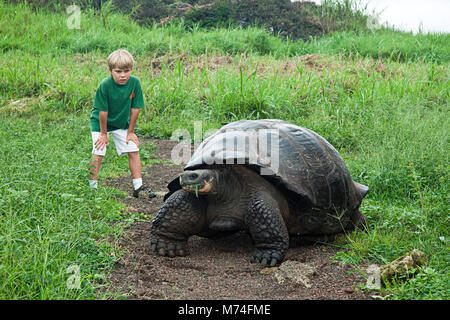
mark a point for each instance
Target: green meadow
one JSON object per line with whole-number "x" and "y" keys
{"x": 381, "y": 98}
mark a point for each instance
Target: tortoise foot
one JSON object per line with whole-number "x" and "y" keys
{"x": 163, "y": 246}
{"x": 270, "y": 257}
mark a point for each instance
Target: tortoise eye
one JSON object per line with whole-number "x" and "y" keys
{"x": 193, "y": 176}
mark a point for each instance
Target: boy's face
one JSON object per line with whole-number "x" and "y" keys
{"x": 120, "y": 76}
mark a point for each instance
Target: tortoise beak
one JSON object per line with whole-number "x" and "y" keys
{"x": 190, "y": 178}
{"x": 196, "y": 181}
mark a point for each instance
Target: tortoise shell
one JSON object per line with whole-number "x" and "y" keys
{"x": 297, "y": 160}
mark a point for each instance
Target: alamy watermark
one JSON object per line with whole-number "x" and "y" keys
{"x": 74, "y": 20}
{"x": 373, "y": 23}
{"x": 234, "y": 146}
{"x": 374, "y": 277}
{"x": 74, "y": 281}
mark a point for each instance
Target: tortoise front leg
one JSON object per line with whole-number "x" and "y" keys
{"x": 268, "y": 231}
{"x": 181, "y": 216}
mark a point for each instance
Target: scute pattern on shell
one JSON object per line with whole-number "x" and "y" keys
{"x": 308, "y": 165}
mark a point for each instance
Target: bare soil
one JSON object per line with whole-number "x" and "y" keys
{"x": 220, "y": 268}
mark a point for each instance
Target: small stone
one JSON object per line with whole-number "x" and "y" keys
{"x": 402, "y": 266}
{"x": 349, "y": 290}
{"x": 269, "y": 270}
{"x": 295, "y": 272}
{"x": 140, "y": 292}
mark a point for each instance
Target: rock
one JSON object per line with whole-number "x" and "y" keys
{"x": 402, "y": 266}
{"x": 269, "y": 270}
{"x": 419, "y": 258}
{"x": 294, "y": 271}
{"x": 349, "y": 290}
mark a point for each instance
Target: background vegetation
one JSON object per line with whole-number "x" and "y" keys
{"x": 380, "y": 97}
{"x": 280, "y": 17}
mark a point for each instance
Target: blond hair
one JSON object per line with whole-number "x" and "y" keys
{"x": 121, "y": 59}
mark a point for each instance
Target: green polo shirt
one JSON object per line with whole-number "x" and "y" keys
{"x": 117, "y": 100}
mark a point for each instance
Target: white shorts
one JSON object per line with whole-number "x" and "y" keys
{"x": 120, "y": 138}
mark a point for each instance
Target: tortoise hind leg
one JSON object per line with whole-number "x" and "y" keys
{"x": 268, "y": 231}
{"x": 358, "y": 221}
{"x": 181, "y": 216}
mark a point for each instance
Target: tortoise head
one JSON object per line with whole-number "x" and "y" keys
{"x": 199, "y": 181}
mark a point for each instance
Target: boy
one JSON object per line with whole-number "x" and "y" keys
{"x": 117, "y": 102}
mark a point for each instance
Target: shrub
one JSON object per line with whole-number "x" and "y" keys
{"x": 296, "y": 20}
{"x": 219, "y": 14}
{"x": 282, "y": 18}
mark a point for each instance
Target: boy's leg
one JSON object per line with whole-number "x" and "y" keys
{"x": 95, "y": 169}
{"x": 97, "y": 157}
{"x": 134, "y": 161}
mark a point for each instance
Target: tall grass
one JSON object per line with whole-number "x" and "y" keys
{"x": 49, "y": 220}
{"x": 380, "y": 98}
{"x": 42, "y": 32}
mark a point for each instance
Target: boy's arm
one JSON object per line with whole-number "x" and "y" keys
{"x": 102, "y": 141}
{"x": 133, "y": 119}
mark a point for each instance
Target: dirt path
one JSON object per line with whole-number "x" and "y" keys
{"x": 216, "y": 269}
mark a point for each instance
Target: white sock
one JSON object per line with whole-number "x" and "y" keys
{"x": 137, "y": 183}
{"x": 93, "y": 184}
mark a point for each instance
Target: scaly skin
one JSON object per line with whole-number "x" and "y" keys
{"x": 268, "y": 231}
{"x": 180, "y": 217}
{"x": 253, "y": 201}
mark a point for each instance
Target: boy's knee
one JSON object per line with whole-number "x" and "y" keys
{"x": 96, "y": 157}
{"x": 96, "y": 160}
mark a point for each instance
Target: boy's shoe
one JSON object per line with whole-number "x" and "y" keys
{"x": 145, "y": 190}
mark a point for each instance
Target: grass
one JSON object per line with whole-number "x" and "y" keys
{"x": 380, "y": 98}
{"x": 23, "y": 29}
{"x": 50, "y": 221}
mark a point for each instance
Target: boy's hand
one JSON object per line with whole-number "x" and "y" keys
{"x": 101, "y": 142}
{"x": 133, "y": 137}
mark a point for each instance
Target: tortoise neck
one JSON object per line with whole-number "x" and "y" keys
{"x": 229, "y": 186}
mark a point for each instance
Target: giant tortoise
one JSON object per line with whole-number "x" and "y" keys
{"x": 270, "y": 178}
